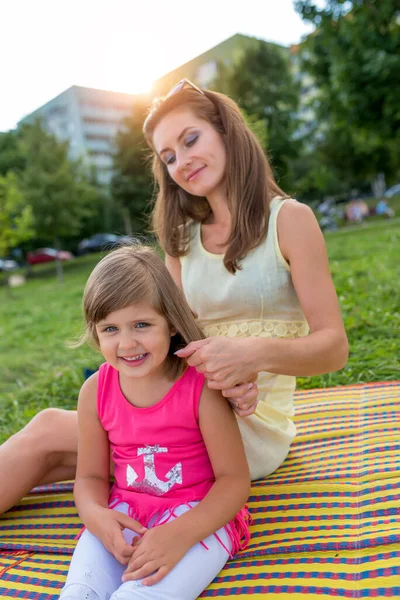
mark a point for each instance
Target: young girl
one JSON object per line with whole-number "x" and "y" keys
{"x": 175, "y": 512}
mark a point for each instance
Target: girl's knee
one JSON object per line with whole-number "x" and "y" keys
{"x": 127, "y": 591}
{"x": 78, "y": 591}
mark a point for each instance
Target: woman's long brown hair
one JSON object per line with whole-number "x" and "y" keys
{"x": 249, "y": 181}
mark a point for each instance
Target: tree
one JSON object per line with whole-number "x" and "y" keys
{"x": 131, "y": 185}
{"x": 354, "y": 58}
{"x": 261, "y": 81}
{"x": 55, "y": 187}
{"x": 16, "y": 219}
{"x": 11, "y": 157}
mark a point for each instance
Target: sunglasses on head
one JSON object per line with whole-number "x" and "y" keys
{"x": 180, "y": 85}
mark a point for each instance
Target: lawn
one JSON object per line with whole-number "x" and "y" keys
{"x": 37, "y": 369}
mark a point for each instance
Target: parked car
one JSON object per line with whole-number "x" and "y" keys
{"x": 44, "y": 255}
{"x": 7, "y": 264}
{"x": 100, "y": 242}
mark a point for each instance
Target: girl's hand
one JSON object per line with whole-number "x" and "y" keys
{"x": 107, "y": 526}
{"x": 226, "y": 364}
{"x": 156, "y": 553}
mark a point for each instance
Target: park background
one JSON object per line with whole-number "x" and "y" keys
{"x": 326, "y": 111}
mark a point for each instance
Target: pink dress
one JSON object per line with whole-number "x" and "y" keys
{"x": 160, "y": 458}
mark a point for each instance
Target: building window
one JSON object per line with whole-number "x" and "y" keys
{"x": 101, "y": 120}
{"x": 99, "y": 137}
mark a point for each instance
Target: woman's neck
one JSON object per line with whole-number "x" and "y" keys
{"x": 221, "y": 215}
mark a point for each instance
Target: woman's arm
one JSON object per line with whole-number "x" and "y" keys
{"x": 325, "y": 348}
{"x": 226, "y": 362}
{"x": 162, "y": 547}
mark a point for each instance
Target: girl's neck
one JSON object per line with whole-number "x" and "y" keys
{"x": 143, "y": 392}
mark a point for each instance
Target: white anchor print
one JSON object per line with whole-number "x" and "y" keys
{"x": 151, "y": 484}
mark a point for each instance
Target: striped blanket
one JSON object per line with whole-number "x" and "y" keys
{"x": 325, "y": 525}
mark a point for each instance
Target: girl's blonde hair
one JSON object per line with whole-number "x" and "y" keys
{"x": 132, "y": 274}
{"x": 249, "y": 179}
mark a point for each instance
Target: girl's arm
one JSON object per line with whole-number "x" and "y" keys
{"x": 232, "y": 477}
{"x": 162, "y": 547}
{"x": 92, "y": 484}
{"x": 228, "y": 361}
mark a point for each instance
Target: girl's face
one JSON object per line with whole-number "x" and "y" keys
{"x": 135, "y": 340}
{"x": 192, "y": 150}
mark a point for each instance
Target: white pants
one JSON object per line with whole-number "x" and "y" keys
{"x": 95, "y": 574}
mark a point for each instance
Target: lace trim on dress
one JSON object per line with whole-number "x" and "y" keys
{"x": 258, "y": 328}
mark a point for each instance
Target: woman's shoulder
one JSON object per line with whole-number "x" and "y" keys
{"x": 187, "y": 227}
{"x": 189, "y": 234}
{"x": 190, "y": 228}
{"x": 291, "y": 211}
{"x": 297, "y": 226}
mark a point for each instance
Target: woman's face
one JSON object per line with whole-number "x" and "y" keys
{"x": 192, "y": 150}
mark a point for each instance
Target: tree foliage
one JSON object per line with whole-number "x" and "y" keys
{"x": 56, "y": 187}
{"x": 16, "y": 218}
{"x": 354, "y": 58}
{"x": 261, "y": 81}
{"x": 59, "y": 195}
{"x": 132, "y": 182}
{"x": 11, "y": 157}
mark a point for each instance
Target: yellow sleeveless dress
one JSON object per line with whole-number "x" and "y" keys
{"x": 258, "y": 301}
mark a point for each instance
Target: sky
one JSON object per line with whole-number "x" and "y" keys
{"x": 122, "y": 45}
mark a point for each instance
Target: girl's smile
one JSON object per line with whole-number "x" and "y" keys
{"x": 134, "y": 361}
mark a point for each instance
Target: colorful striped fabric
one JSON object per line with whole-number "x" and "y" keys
{"x": 325, "y": 525}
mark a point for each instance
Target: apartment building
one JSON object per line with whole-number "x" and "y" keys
{"x": 89, "y": 119}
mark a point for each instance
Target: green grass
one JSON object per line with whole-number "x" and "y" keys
{"x": 365, "y": 267}
{"x": 37, "y": 370}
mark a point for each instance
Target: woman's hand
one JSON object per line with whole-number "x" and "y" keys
{"x": 226, "y": 364}
{"x": 107, "y": 525}
{"x": 243, "y": 397}
{"x": 156, "y": 553}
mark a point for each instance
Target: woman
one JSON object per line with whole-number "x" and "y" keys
{"x": 253, "y": 266}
